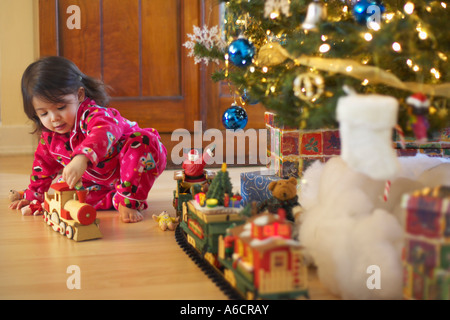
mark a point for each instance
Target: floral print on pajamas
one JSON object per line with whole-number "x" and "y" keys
{"x": 124, "y": 159}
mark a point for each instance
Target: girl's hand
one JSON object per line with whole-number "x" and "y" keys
{"x": 19, "y": 204}
{"x": 74, "y": 170}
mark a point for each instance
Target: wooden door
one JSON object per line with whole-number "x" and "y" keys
{"x": 136, "y": 47}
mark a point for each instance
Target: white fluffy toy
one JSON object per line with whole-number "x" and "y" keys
{"x": 350, "y": 231}
{"x": 347, "y": 227}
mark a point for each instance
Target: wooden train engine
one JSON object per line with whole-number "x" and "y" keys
{"x": 67, "y": 213}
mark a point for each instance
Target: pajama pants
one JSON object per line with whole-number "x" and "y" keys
{"x": 141, "y": 160}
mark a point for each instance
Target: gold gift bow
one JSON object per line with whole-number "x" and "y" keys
{"x": 273, "y": 53}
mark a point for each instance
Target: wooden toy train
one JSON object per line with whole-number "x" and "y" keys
{"x": 67, "y": 213}
{"x": 248, "y": 257}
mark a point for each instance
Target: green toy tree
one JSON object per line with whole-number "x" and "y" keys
{"x": 301, "y": 54}
{"x": 220, "y": 185}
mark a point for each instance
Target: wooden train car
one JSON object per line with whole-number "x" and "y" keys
{"x": 253, "y": 255}
{"x": 262, "y": 260}
{"x": 203, "y": 226}
{"x": 186, "y": 188}
{"x": 256, "y": 256}
{"x": 67, "y": 213}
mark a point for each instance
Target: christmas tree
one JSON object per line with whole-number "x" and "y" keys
{"x": 220, "y": 185}
{"x": 296, "y": 57}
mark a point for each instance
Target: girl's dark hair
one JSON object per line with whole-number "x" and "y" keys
{"x": 51, "y": 78}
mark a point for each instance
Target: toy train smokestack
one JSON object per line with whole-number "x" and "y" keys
{"x": 81, "y": 194}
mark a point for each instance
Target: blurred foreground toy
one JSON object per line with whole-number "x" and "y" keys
{"x": 34, "y": 208}
{"x": 67, "y": 212}
{"x": 261, "y": 259}
{"x": 15, "y": 195}
{"x": 165, "y": 221}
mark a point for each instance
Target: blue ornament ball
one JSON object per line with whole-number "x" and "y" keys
{"x": 362, "y": 10}
{"x": 241, "y": 52}
{"x": 235, "y": 117}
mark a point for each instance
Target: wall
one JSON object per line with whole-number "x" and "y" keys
{"x": 19, "y": 46}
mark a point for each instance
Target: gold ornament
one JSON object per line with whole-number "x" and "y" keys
{"x": 308, "y": 86}
{"x": 374, "y": 75}
{"x": 271, "y": 54}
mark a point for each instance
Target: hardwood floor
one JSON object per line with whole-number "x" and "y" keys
{"x": 131, "y": 261}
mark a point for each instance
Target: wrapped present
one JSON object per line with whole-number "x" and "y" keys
{"x": 291, "y": 150}
{"x": 437, "y": 146}
{"x": 422, "y": 286}
{"x": 254, "y": 186}
{"x": 426, "y": 256}
{"x": 428, "y": 213}
{"x": 235, "y": 201}
{"x": 200, "y": 198}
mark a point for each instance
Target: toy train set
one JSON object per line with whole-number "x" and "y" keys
{"x": 248, "y": 255}
{"x": 67, "y": 213}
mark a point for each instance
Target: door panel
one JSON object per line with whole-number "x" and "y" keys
{"x": 121, "y": 47}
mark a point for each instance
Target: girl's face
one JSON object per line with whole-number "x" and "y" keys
{"x": 59, "y": 117}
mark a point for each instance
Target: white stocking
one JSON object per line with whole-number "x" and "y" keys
{"x": 365, "y": 125}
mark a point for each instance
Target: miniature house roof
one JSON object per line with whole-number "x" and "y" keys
{"x": 244, "y": 232}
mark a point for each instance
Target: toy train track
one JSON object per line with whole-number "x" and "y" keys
{"x": 209, "y": 270}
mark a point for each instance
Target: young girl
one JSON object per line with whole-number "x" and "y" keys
{"x": 115, "y": 160}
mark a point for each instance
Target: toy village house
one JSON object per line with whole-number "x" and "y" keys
{"x": 264, "y": 253}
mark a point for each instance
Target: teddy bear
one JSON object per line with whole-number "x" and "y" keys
{"x": 284, "y": 195}
{"x": 15, "y": 195}
{"x": 165, "y": 221}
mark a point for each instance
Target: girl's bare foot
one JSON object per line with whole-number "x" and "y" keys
{"x": 129, "y": 215}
